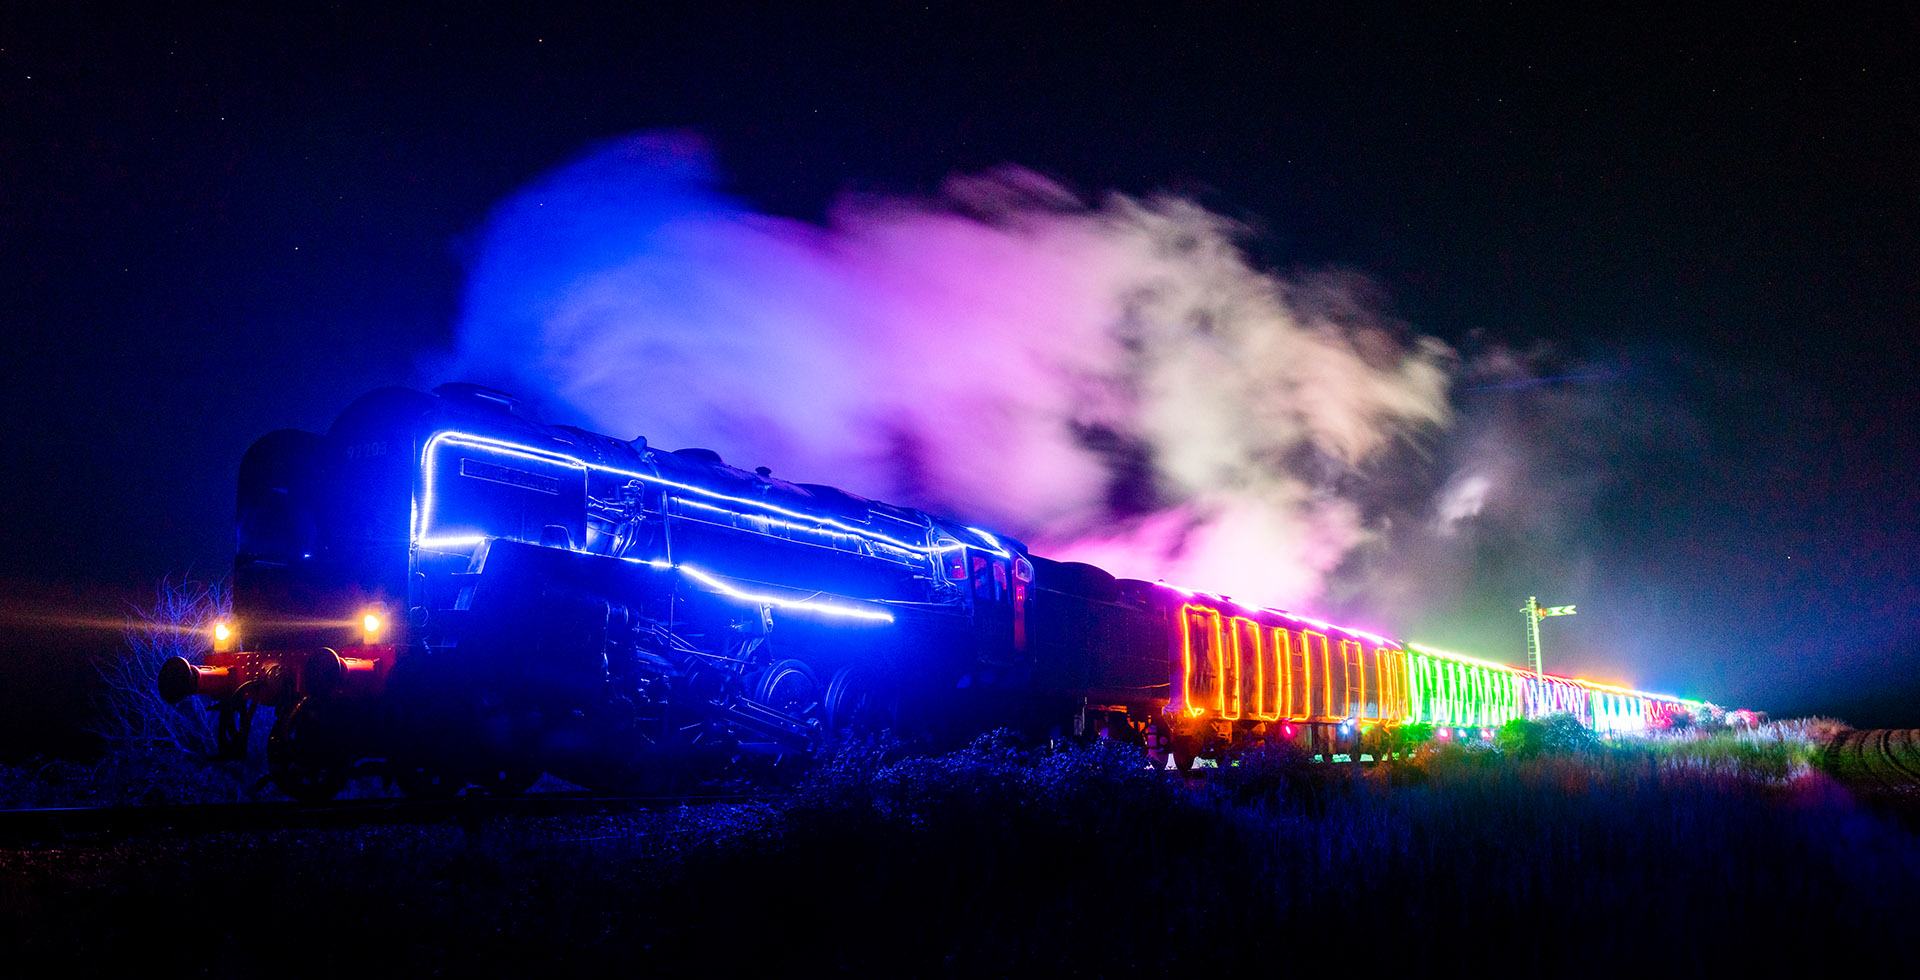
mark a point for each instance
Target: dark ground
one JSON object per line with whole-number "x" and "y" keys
{"x": 1001, "y": 862}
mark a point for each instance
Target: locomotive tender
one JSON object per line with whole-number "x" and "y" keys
{"x": 446, "y": 592}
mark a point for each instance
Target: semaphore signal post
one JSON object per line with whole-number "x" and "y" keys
{"x": 1535, "y": 613}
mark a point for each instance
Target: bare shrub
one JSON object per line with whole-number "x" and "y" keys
{"x": 128, "y": 712}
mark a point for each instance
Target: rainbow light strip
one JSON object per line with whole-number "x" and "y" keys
{"x": 1234, "y": 667}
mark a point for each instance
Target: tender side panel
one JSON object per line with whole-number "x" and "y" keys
{"x": 1111, "y": 652}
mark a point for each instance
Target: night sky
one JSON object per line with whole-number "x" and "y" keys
{"x": 1675, "y": 257}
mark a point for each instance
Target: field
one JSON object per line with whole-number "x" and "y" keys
{"x": 1005, "y": 860}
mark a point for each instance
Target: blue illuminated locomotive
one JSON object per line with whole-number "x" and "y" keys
{"x": 444, "y": 592}
{"x": 449, "y": 592}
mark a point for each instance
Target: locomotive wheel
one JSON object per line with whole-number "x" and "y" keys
{"x": 295, "y": 760}
{"x": 789, "y": 686}
{"x": 235, "y": 722}
{"x": 857, "y": 704}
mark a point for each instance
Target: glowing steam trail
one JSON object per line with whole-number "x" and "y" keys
{"x": 1114, "y": 383}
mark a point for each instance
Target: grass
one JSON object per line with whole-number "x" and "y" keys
{"x": 1001, "y": 860}
{"x": 1780, "y": 751}
{"x": 134, "y": 775}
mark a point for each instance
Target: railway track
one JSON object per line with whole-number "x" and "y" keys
{"x": 1903, "y": 751}
{"x": 1886, "y": 758}
{"x": 55, "y": 825}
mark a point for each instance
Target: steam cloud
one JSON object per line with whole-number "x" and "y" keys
{"x": 1112, "y": 383}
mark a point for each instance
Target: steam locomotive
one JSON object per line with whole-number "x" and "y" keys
{"x": 448, "y": 593}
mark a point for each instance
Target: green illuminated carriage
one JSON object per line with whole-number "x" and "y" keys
{"x": 447, "y": 593}
{"x": 1449, "y": 689}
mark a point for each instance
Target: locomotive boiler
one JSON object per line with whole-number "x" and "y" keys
{"x": 445, "y": 592}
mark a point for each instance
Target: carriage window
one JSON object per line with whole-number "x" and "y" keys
{"x": 1389, "y": 683}
{"x": 1356, "y": 688}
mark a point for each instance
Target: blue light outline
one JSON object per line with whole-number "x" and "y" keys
{"x": 721, "y": 585}
{"x": 455, "y": 437}
{"x": 792, "y": 524}
{"x": 424, "y": 519}
{"x": 831, "y": 609}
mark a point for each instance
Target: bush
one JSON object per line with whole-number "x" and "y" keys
{"x": 1520, "y": 738}
{"x": 1413, "y": 735}
{"x": 1553, "y": 735}
{"x": 1275, "y": 772}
